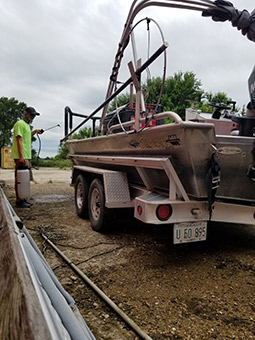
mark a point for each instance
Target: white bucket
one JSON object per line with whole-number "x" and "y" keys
{"x": 23, "y": 183}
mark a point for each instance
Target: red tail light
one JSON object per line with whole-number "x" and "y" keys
{"x": 139, "y": 210}
{"x": 164, "y": 212}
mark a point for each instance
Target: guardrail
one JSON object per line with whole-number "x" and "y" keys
{"x": 33, "y": 303}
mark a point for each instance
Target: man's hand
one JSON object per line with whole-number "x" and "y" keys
{"x": 243, "y": 20}
{"x": 224, "y": 12}
{"x": 39, "y": 131}
{"x": 22, "y": 160}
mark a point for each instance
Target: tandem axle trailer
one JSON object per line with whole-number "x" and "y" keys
{"x": 100, "y": 191}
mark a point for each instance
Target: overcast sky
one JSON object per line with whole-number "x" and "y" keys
{"x": 58, "y": 53}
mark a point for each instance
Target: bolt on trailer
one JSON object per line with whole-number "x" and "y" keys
{"x": 182, "y": 173}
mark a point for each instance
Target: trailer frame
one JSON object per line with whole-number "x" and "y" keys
{"x": 182, "y": 211}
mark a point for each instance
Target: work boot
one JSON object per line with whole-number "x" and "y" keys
{"x": 22, "y": 204}
{"x": 28, "y": 202}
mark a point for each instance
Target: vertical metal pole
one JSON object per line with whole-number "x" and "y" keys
{"x": 131, "y": 95}
{"x": 138, "y": 101}
{"x": 94, "y": 127}
{"x": 134, "y": 50}
{"x": 66, "y": 120}
{"x": 70, "y": 120}
{"x": 137, "y": 64}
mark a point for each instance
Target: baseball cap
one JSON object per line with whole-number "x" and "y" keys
{"x": 32, "y": 111}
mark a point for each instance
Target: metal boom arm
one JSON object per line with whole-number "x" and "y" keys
{"x": 138, "y": 72}
{"x": 199, "y": 5}
{"x": 136, "y": 7}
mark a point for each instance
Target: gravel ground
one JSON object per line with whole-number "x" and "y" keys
{"x": 199, "y": 291}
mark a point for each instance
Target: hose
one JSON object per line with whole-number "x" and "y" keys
{"x": 36, "y": 167}
{"x": 148, "y": 20}
{"x": 164, "y": 64}
{"x": 40, "y": 144}
{"x": 103, "y": 296}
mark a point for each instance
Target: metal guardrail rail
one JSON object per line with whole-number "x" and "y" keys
{"x": 29, "y": 286}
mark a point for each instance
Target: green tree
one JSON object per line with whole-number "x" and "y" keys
{"x": 178, "y": 90}
{"x": 83, "y": 133}
{"x": 122, "y": 99}
{"x": 63, "y": 152}
{"x": 209, "y": 97}
{"x": 10, "y": 110}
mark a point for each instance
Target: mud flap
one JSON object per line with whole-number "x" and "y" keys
{"x": 251, "y": 170}
{"x": 212, "y": 182}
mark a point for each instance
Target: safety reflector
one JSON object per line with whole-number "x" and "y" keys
{"x": 164, "y": 212}
{"x": 139, "y": 210}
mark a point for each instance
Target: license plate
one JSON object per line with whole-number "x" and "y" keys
{"x": 190, "y": 232}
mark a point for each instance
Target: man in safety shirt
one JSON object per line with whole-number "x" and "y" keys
{"x": 21, "y": 148}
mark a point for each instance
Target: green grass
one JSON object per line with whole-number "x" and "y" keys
{"x": 54, "y": 163}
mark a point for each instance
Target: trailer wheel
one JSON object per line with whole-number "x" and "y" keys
{"x": 81, "y": 196}
{"x": 98, "y": 213}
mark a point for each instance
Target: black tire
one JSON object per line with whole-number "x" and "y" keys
{"x": 81, "y": 196}
{"x": 98, "y": 213}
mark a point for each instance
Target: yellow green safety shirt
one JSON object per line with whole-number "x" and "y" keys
{"x": 22, "y": 129}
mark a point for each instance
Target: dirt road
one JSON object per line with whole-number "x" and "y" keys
{"x": 199, "y": 291}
